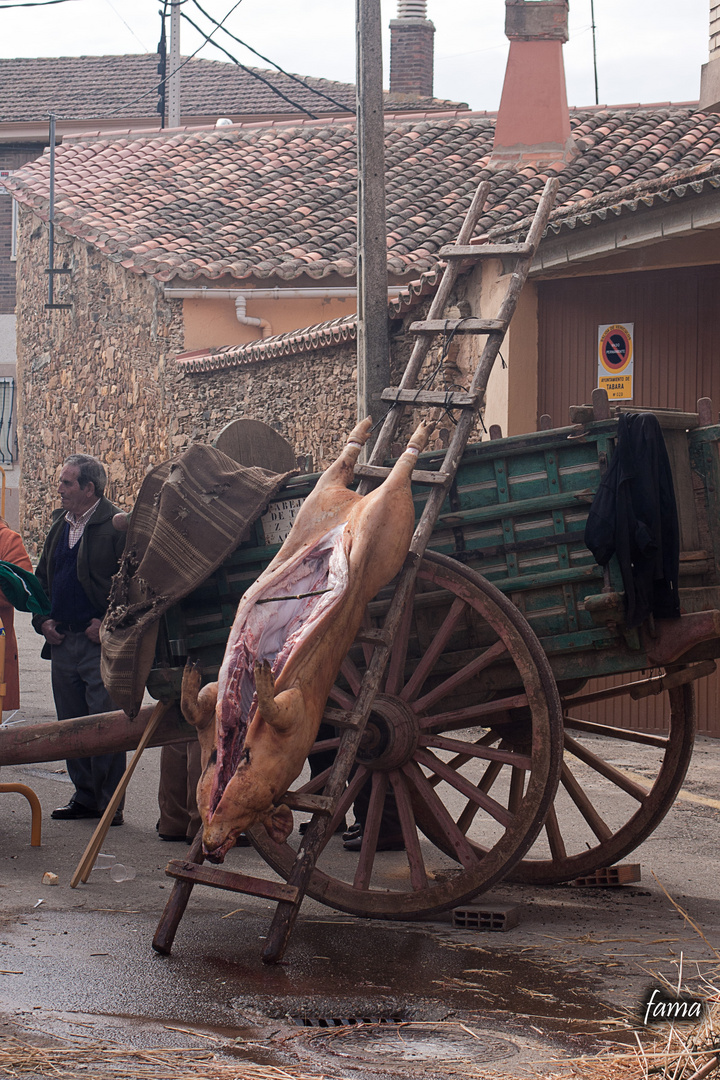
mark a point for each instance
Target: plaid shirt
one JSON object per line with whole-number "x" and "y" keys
{"x": 77, "y": 525}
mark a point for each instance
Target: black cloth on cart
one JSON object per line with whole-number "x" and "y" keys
{"x": 634, "y": 516}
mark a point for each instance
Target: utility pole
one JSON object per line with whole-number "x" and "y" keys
{"x": 173, "y": 82}
{"x": 592, "y": 20}
{"x": 373, "y": 345}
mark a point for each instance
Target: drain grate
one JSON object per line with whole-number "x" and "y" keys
{"x": 347, "y": 1021}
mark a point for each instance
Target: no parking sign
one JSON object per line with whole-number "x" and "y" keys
{"x": 615, "y": 359}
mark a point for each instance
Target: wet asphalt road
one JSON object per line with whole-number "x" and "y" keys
{"x": 568, "y": 979}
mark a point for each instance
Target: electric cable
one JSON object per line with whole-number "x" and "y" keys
{"x": 187, "y": 60}
{"x": 33, "y": 3}
{"x": 250, "y": 71}
{"x": 295, "y": 78}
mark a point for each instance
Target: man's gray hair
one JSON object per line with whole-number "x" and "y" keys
{"x": 90, "y": 471}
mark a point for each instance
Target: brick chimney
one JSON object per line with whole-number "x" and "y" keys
{"x": 533, "y": 123}
{"x": 411, "y": 50}
{"x": 710, "y": 72}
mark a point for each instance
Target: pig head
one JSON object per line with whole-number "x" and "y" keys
{"x": 292, "y": 631}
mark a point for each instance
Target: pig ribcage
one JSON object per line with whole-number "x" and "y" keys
{"x": 272, "y": 631}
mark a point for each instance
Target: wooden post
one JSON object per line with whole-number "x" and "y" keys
{"x": 373, "y": 347}
{"x": 173, "y": 82}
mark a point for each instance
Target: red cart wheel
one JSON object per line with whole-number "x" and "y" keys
{"x": 466, "y": 734}
{"x": 601, "y": 811}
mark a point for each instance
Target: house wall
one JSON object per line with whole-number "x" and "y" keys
{"x": 675, "y": 316}
{"x": 95, "y": 379}
{"x": 211, "y": 324}
{"x": 12, "y": 156}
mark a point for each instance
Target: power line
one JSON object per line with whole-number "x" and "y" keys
{"x": 250, "y": 71}
{"x": 187, "y": 60}
{"x": 272, "y": 63}
{"x": 34, "y": 3}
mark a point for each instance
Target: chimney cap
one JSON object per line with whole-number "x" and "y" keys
{"x": 412, "y": 9}
{"x": 536, "y": 20}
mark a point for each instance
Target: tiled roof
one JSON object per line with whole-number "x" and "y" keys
{"x": 308, "y": 339}
{"x": 278, "y": 200}
{"x": 102, "y": 87}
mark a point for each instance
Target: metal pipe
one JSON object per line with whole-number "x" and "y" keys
{"x": 249, "y": 320}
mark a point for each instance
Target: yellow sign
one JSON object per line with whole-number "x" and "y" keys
{"x": 615, "y": 360}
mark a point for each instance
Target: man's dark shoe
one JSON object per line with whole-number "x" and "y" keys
{"x": 118, "y": 818}
{"x": 174, "y": 839}
{"x": 73, "y": 811}
{"x": 354, "y": 830}
{"x": 385, "y": 843}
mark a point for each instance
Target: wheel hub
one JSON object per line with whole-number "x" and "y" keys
{"x": 391, "y": 735}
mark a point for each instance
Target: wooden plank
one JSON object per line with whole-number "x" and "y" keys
{"x": 485, "y": 251}
{"x": 442, "y": 398}
{"x": 313, "y": 804}
{"x": 231, "y": 881}
{"x": 379, "y": 472}
{"x": 459, "y": 326}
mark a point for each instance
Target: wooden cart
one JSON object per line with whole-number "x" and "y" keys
{"x": 448, "y": 706}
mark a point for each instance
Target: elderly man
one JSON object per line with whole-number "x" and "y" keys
{"x": 80, "y": 556}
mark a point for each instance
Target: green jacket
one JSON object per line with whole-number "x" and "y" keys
{"x": 101, "y": 546}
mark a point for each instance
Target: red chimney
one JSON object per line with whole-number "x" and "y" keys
{"x": 533, "y": 123}
{"x": 411, "y": 50}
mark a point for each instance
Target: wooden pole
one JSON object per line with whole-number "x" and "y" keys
{"x": 173, "y": 82}
{"x": 373, "y": 348}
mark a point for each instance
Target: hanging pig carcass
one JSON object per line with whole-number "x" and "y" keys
{"x": 292, "y": 630}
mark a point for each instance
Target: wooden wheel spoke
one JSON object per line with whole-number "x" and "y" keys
{"x": 471, "y": 809}
{"x": 438, "y": 643}
{"x": 371, "y": 831}
{"x": 325, "y": 744}
{"x": 624, "y": 734}
{"x": 465, "y": 787}
{"x": 586, "y": 808}
{"x": 630, "y": 787}
{"x": 315, "y": 784}
{"x": 418, "y": 874}
{"x": 490, "y": 712}
{"x": 517, "y": 790}
{"x": 351, "y": 673}
{"x": 459, "y": 760}
{"x": 477, "y": 750}
{"x": 396, "y": 666}
{"x": 344, "y": 700}
{"x": 447, "y": 686}
{"x": 457, "y": 840}
{"x": 346, "y": 799}
{"x": 555, "y": 840}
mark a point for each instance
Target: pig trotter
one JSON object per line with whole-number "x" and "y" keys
{"x": 197, "y": 705}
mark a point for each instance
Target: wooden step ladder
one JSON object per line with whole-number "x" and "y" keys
{"x": 339, "y": 793}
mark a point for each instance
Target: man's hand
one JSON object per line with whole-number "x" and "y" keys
{"x": 50, "y": 633}
{"x": 92, "y": 632}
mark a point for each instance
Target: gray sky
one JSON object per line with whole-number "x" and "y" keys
{"x": 642, "y": 57}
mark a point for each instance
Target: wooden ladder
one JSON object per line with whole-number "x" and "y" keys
{"x": 329, "y": 808}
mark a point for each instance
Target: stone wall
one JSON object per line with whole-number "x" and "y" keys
{"x": 94, "y": 379}
{"x": 101, "y": 378}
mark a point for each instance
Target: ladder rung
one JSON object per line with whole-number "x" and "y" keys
{"x": 460, "y": 326}
{"x": 231, "y": 881}
{"x": 313, "y": 804}
{"x": 369, "y": 636}
{"x": 448, "y": 398}
{"x": 474, "y": 251}
{"x": 339, "y": 719}
{"x": 379, "y": 472}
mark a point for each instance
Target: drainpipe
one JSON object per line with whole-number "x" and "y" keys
{"x": 247, "y": 320}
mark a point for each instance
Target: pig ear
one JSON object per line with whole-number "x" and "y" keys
{"x": 279, "y": 824}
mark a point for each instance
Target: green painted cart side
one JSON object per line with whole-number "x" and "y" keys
{"x": 514, "y": 517}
